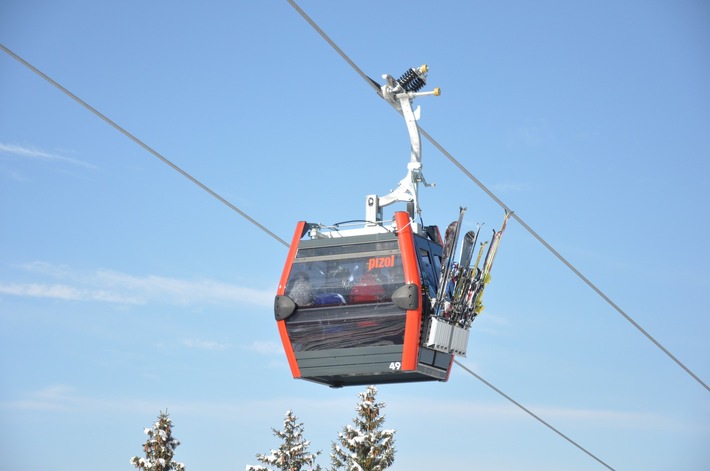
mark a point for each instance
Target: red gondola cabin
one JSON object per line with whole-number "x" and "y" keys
{"x": 351, "y": 305}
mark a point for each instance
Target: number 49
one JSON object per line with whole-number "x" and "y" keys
{"x": 395, "y": 366}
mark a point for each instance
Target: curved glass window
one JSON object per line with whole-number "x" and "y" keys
{"x": 343, "y": 296}
{"x": 363, "y": 273}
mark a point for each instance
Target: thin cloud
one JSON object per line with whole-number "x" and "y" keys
{"x": 205, "y": 344}
{"x": 179, "y": 291}
{"x": 71, "y": 400}
{"x": 478, "y": 410}
{"x": 51, "y": 398}
{"x": 16, "y": 176}
{"x": 266, "y": 348}
{"x": 510, "y": 187}
{"x": 533, "y": 135}
{"x": 65, "y": 292}
{"x": 123, "y": 288}
{"x": 60, "y": 397}
{"x": 34, "y": 153}
{"x": 64, "y": 398}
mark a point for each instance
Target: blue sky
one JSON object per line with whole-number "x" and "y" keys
{"x": 126, "y": 290}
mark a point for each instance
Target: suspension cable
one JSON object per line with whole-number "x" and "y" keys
{"x": 530, "y": 413}
{"x": 563, "y": 259}
{"x": 504, "y": 206}
{"x": 141, "y": 143}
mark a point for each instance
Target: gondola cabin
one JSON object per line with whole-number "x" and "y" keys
{"x": 383, "y": 303}
{"x": 351, "y": 304}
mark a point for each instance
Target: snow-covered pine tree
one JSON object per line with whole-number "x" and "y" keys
{"x": 365, "y": 446}
{"x": 292, "y": 454}
{"x": 159, "y": 448}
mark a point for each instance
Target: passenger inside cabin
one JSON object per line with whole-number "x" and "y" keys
{"x": 369, "y": 288}
{"x": 302, "y": 291}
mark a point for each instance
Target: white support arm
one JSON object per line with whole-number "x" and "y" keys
{"x": 401, "y": 100}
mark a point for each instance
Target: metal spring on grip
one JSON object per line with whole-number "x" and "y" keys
{"x": 412, "y": 80}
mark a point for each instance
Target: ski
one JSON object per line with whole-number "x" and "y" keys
{"x": 450, "y": 242}
{"x": 475, "y": 239}
{"x": 463, "y": 278}
{"x": 447, "y": 250}
{"x": 488, "y": 265}
{"x": 469, "y": 241}
{"x": 488, "y": 261}
{"x": 480, "y": 254}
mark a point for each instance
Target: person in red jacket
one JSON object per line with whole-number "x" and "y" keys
{"x": 368, "y": 288}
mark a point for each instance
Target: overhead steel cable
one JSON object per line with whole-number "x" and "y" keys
{"x": 327, "y": 39}
{"x": 559, "y": 256}
{"x": 141, "y": 143}
{"x": 248, "y": 218}
{"x": 533, "y": 415}
{"x": 453, "y": 160}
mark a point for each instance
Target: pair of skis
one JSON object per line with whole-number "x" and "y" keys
{"x": 461, "y": 285}
{"x": 474, "y": 306}
{"x": 443, "y": 292}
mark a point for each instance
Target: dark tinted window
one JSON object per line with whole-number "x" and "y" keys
{"x": 363, "y": 273}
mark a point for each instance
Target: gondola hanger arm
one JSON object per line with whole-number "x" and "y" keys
{"x": 400, "y": 93}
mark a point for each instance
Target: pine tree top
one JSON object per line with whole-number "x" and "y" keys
{"x": 159, "y": 448}
{"x": 292, "y": 454}
{"x": 364, "y": 445}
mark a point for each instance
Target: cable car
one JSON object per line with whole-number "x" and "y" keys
{"x": 368, "y": 302}
{"x": 350, "y": 308}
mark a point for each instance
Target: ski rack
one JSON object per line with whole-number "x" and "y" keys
{"x": 445, "y": 337}
{"x": 460, "y": 289}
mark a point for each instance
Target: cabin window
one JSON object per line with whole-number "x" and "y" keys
{"x": 338, "y": 279}
{"x": 344, "y": 296}
{"x": 349, "y": 326}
